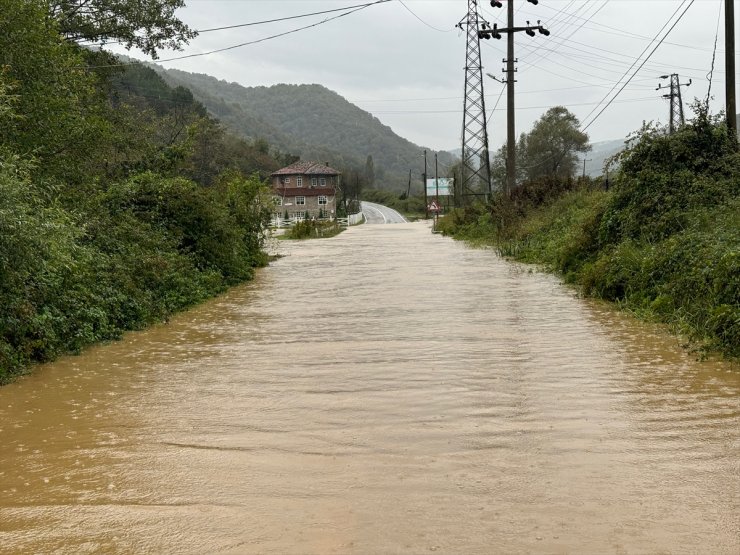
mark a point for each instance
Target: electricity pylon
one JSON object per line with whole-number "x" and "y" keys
{"x": 476, "y": 168}
{"x": 676, "y": 105}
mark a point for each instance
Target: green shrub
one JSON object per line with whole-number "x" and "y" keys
{"x": 665, "y": 243}
{"x": 119, "y": 260}
{"x": 313, "y": 229}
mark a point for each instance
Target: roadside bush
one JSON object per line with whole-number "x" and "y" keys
{"x": 215, "y": 228}
{"x": 690, "y": 280}
{"x": 313, "y": 229}
{"x": 133, "y": 255}
{"x": 664, "y": 243}
{"x": 664, "y": 177}
{"x": 91, "y": 244}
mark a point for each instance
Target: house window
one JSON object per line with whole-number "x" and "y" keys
{"x": 313, "y": 182}
{"x": 299, "y": 181}
{"x": 323, "y": 200}
{"x": 277, "y": 201}
{"x": 300, "y": 201}
{"x": 322, "y": 182}
{"x": 299, "y": 215}
{"x": 287, "y": 180}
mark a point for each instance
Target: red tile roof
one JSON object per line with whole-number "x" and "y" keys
{"x": 306, "y": 168}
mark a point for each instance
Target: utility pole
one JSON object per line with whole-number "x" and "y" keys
{"x": 584, "y": 166}
{"x": 487, "y": 32}
{"x": 426, "y": 203}
{"x": 675, "y": 113}
{"x": 436, "y": 181}
{"x": 731, "y": 107}
{"x": 475, "y": 167}
{"x": 510, "y": 114}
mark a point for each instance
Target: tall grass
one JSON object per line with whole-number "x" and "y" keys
{"x": 665, "y": 243}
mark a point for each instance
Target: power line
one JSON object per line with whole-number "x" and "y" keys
{"x": 424, "y": 22}
{"x": 450, "y": 98}
{"x": 656, "y": 63}
{"x": 291, "y": 17}
{"x": 597, "y": 61}
{"x": 620, "y": 32}
{"x": 537, "y": 91}
{"x": 658, "y": 66}
{"x": 638, "y": 58}
{"x": 578, "y": 71}
{"x": 357, "y": 9}
{"x": 265, "y": 21}
{"x": 561, "y": 39}
{"x": 711, "y": 71}
{"x": 500, "y": 94}
{"x": 540, "y": 107}
{"x": 642, "y": 64}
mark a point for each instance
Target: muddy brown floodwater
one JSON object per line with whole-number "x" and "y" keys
{"x": 384, "y": 391}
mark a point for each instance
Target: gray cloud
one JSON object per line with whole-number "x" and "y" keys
{"x": 409, "y": 73}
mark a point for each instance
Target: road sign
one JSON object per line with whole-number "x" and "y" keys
{"x": 441, "y": 187}
{"x": 434, "y": 207}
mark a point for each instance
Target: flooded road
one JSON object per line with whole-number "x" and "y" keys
{"x": 383, "y": 391}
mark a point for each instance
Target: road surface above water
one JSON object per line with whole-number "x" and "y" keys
{"x": 383, "y": 391}
{"x": 379, "y": 214}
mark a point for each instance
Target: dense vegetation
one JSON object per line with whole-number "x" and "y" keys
{"x": 147, "y": 24}
{"x": 551, "y": 148}
{"x": 313, "y": 122}
{"x": 664, "y": 242}
{"x": 313, "y": 229}
{"x": 121, "y": 199}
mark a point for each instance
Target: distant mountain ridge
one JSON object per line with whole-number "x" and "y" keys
{"x": 312, "y": 122}
{"x": 600, "y": 152}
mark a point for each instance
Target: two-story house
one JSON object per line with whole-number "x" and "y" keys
{"x": 306, "y": 190}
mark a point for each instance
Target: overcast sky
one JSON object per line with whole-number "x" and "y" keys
{"x": 403, "y": 61}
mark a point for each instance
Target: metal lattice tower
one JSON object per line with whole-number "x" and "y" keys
{"x": 476, "y": 169}
{"x": 676, "y": 105}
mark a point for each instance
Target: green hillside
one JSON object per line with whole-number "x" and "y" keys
{"x": 312, "y": 122}
{"x": 121, "y": 200}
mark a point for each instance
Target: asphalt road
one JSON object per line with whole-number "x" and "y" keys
{"x": 379, "y": 214}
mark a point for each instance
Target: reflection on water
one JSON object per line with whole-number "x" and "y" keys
{"x": 384, "y": 391}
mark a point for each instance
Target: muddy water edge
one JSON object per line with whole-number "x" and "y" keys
{"x": 383, "y": 391}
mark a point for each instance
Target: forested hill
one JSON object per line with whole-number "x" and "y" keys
{"x": 310, "y": 121}
{"x": 121, "y": 200}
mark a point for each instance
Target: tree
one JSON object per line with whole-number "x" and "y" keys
{"x": 498, "y": 164}
{"x": 552, "y": 147}
{"x": 149, "y": 25}
{"x": 352, "y": 183}
{"x": 60, "y": 112}
{"x": 370, "y": 171}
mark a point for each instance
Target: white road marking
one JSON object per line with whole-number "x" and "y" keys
{"x": 366, "y": 205}
{"x": 386, "y": 212}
